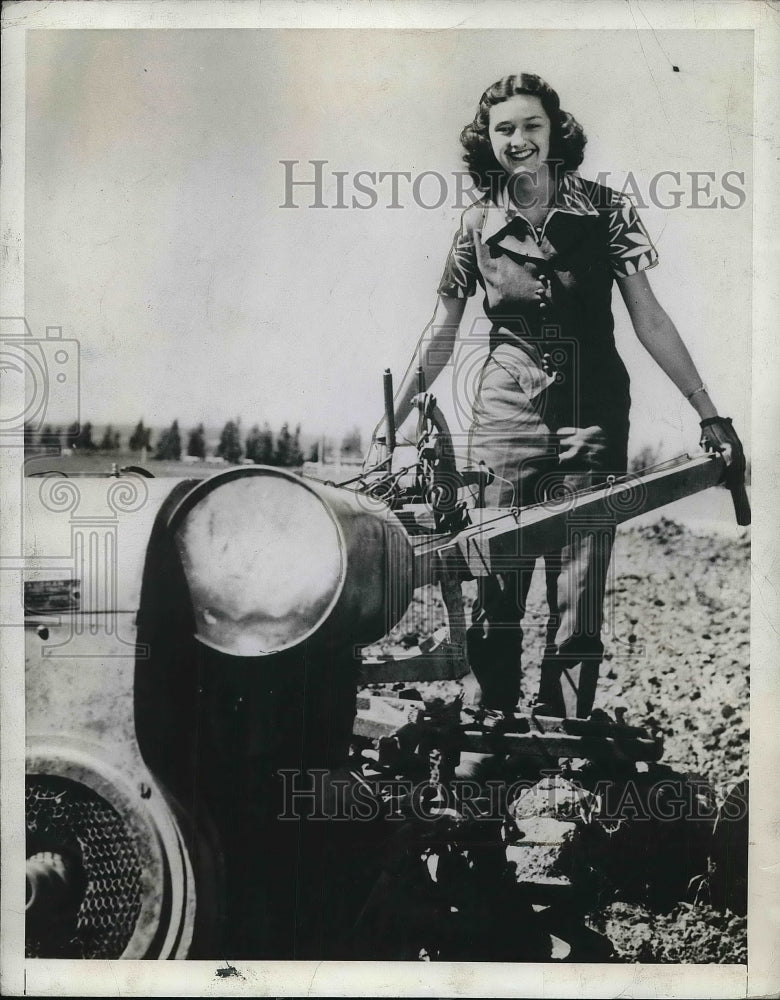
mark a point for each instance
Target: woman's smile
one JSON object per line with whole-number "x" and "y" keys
{"x": 519, "y": 131}
{"x": 520, "y": 156}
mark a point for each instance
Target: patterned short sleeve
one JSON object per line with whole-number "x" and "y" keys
{"x": 460, "y": 272}
{"x": 630, "y": 248}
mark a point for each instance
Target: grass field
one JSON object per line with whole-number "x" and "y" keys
{"x": 102, "y": 463}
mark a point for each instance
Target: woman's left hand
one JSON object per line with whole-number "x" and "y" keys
{"x": 718, "y": 435}
{"x": 581, "y": 444}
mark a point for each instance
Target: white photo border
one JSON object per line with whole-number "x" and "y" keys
{"x": 86, "y": 978}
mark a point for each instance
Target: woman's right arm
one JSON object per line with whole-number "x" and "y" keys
{"x": 432, "y": 353}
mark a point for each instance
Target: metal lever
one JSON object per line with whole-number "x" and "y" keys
{"x": 389, "y": 409}
{"x": 741, "y": 503}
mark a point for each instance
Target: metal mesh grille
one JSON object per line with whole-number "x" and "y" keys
{"x": 66, "y": 815}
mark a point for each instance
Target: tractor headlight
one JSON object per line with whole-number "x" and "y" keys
{"x": 272, "y": 560}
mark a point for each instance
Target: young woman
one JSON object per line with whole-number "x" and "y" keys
{"x": 551, "y": 411}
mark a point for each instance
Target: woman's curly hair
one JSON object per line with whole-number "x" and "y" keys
{"x": 567, "y": 138}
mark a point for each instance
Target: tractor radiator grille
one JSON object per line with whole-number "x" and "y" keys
{"x": 67, "y": 817}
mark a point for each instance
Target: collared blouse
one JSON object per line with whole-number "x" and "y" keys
{"x": 553, "y": 282}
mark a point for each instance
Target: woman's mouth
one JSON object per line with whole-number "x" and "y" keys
{"x": 521, "y": 155}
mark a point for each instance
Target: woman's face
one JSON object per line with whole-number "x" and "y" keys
{"x": 519, "y": 131}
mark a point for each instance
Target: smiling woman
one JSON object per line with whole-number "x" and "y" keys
{"x": 520, "y": 126}
{"x": 550, "y": 415}
{"x": 520, "y": 133}
{"x": 521, "y": 141}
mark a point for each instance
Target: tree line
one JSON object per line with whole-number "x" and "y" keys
{"x": 259, "y": 445}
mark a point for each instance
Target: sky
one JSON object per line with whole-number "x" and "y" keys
{"x": 155, "y": 234}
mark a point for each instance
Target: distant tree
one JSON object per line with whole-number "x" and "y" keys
{"x": 260, "y": 445}
{"x": 51, "y": 436}
{"x": 174, "y": 441}
{"x": 169, "y": 445}
{"x": 284, "y": 446}
{"x": 84, "y": 440}
{"x": 196, "y": 446}
{"x": 251, "y": 443}
{"x": 352, "y": 445}
{"x": 296, "y": 455}
{"x": 229, "y": 446}
{"x": 72, "y": 434}
{"x": 110, "y": 440}
{"x": 314, "y": 452}
{"x": 31, "y": 437}
{"x": 140, "y": 438}
{"x": 265, "y": 448}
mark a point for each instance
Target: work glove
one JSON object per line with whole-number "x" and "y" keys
{"x": 717, "y": 434}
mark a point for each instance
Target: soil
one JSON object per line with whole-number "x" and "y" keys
{"x": 692, "y": 932}
{"x": 677, "y": 663}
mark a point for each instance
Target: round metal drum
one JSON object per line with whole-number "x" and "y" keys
{"x": 273, "y": 560}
